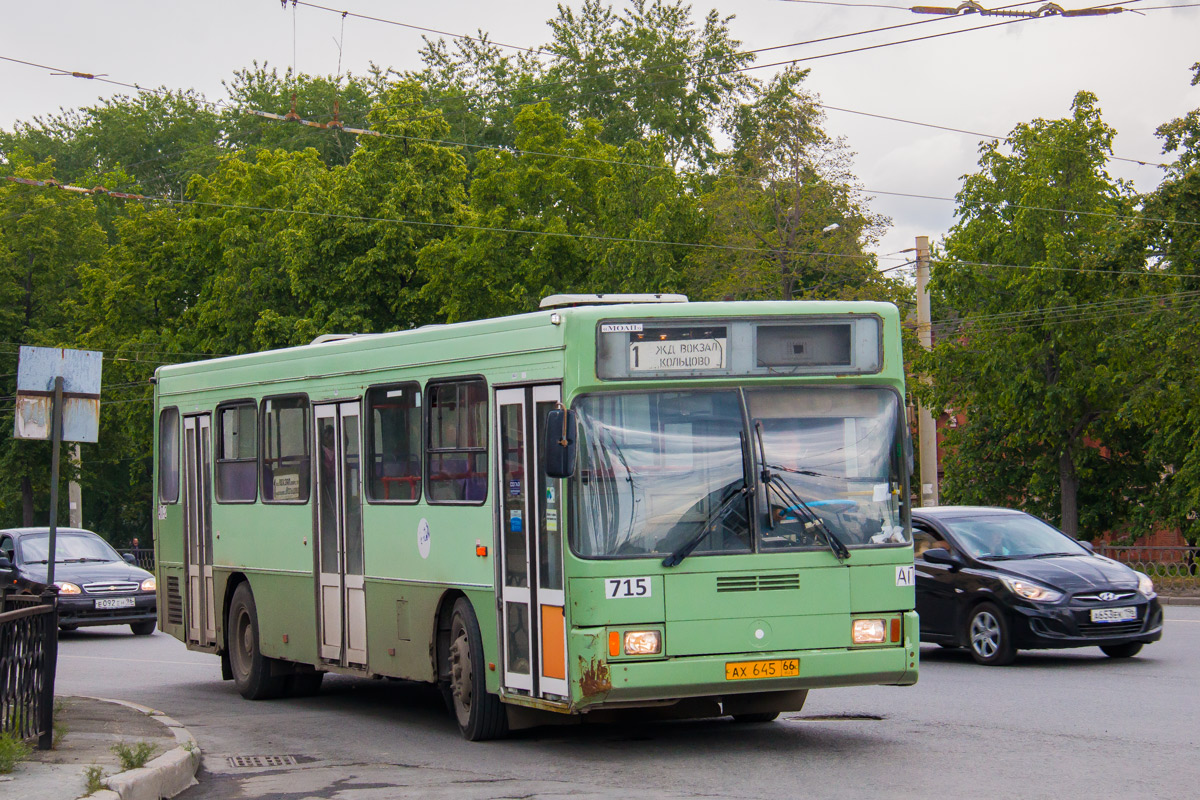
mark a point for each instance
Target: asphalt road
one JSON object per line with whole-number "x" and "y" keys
{"x": 1054, "y": 724}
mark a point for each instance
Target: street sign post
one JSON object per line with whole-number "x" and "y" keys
{"x": 58, "y": 398}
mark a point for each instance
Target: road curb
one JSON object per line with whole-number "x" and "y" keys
{"x": 1178, "y": 601}
{"x": 165, "y": 776}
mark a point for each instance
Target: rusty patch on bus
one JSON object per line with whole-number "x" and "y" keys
{"x": 594, "y": 678}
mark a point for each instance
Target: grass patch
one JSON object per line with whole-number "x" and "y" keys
{"x": 93, "y": 779}
{"x": 13, "y": 751}
{"x": 135, "y": 755}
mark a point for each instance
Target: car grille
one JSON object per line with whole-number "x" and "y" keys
{"x": 112, "y": 587}
{"x": 1094, "y": 597}
{"x": 757, "y": 583}
{"x": 1110, "y": 628}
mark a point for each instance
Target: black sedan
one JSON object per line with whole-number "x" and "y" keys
{"x": 998, "y": 580}
{"x": 96, "y": 586}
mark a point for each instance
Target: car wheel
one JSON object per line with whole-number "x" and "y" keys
{"x": 142, "y": 628}
{"x": 69, "y": 627}
{"x": 251, "y": 669}
{"x": 988, "y": 636}
{"x": 761, "y": 716}
{"x": 479, "y": 715}
{"x": 1127, "y": 650}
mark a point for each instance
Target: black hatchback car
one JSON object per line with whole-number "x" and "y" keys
{"x": 96, "y": 586}
{"x": 998, "y": 580}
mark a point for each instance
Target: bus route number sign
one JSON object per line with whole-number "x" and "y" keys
{"x": 621, "y": 588}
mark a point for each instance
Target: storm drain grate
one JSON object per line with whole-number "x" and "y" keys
{"x": 261, "y": 761}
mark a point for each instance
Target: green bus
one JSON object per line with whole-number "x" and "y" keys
{"x": 617, "y": 502}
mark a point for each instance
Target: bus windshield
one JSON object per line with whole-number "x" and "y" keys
{"x": 659, "y": 469}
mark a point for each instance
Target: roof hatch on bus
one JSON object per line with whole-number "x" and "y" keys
{"x": 658, "y": 348}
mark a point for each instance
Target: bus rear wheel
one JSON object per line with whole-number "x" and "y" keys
{"x": 479, "y": 715}
{"x": 251, "y": 669}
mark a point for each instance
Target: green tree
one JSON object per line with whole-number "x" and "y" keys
{"x": 44, "y": 237}
{"x": 1169, "y": 376}
{"x": 649, "y": 71}
{"x": 576, "y": 219}
{"x": 1042, "y": 391}
{"x": 786, "y": 198}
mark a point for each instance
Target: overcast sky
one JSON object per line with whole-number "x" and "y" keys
{"x": 985, "y": 81}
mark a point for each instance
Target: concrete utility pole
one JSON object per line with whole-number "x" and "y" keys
{"x": 926, "y": 430}
{"x": 74, "y": 493}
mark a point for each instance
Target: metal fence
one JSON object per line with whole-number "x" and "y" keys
{"x": 28, "y": 657}
{"x": 142, "y": 556}
{"x": 1174, "y": 570}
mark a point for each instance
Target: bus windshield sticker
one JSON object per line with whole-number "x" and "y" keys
{"x": 621, "y": 588}
{"x": 621, "y": 327}
{"x": 689, "y": 354}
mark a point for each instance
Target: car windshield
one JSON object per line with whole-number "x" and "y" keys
{"x": 660, "y": 469}
{"x": 68, "y": 547}
{"x": 1002, "y": 536}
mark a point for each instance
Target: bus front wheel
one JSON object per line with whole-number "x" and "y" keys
{"x": 479, "y": 715}
{"x": 251, "y": 669}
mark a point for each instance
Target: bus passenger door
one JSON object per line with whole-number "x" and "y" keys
{"x": 341, "y": 595}
{"x": 533, "y": 635}
{"x": 197, "y": 529}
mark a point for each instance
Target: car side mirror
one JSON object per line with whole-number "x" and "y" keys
{"x": 560, "y": 443}
{"x": 6, "y": 564}
{"x": 130, "y": 558}
{"x": 940, "y": 555}
{"x": 1087, "y": 546}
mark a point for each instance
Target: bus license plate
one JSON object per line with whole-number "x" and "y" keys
{"x": 746, "y": 670}
{"x": 1114, "y": 614}
{"x": 115, "y": 602}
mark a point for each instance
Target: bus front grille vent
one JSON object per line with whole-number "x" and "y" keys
{"x": 174, "y": 602}
{"x": 758, "y": 583}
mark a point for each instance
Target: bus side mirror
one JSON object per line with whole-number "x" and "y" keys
{"x": 560, "y": 443}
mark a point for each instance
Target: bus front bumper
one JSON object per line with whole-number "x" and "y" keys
{"x": 631, "y": 682}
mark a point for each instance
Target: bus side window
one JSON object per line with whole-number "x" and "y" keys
{"x": 456, "y": 457}
{"x": 394, "y": 443}
{"x": 287, "y": 454}
{"x": 237, "y": 452}
{"x": 168, "y": 456}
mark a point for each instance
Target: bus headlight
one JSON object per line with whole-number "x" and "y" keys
{"x": 149, "y": 585}
{"x": 642, "y": 643}
{"x": 67, "y": 588}
{"x": 868, "y": 631}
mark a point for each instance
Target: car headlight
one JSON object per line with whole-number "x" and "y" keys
{"x": 1145, "y": 585}
{"x": 67, "y": 588}
{"x": 149, "y": 585}
{"x": 1031, "y": 591}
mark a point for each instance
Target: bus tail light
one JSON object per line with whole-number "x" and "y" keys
{"x": 642, "y": 643}
{"x": 868, "y": 631}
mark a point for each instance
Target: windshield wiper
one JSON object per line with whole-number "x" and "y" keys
{"x": 996, "y": 558}
{"x": 1055, "y": 555}
{"x": 691, "y": 544}
{"x": 792, "y": 501}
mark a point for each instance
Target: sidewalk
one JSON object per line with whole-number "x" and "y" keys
{"x": 86, "y": 729}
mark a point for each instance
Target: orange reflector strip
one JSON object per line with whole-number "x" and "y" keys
{"x": 480, "y": 550}
{"x": 614, "y": 643}
{"x": 895, "y": 630}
